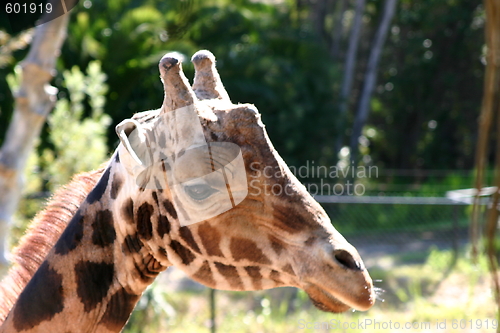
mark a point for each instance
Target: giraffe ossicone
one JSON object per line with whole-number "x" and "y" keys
{"x": 186, "y": 187}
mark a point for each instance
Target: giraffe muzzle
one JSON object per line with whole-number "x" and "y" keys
{"x": 335, "y": 277}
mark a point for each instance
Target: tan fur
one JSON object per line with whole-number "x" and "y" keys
{"x": 41, "y": 236}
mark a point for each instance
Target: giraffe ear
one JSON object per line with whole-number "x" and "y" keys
{"x": 134, "y": 141}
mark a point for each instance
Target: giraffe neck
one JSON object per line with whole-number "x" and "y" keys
{"x": 94, "y": 275}
{"x": 42, "y": 235}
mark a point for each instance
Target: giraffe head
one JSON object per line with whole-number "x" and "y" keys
{"x": 222, "y": 204}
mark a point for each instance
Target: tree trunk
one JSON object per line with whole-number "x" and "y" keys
{"x": 490, "y": 93}
{"x": 489, "y": 109}
{"x": 337, "y": 30}
{"x": 370, "y": 77}
{"x": 349, "y": 69}
{"x": 33, "y": 102}
{"x": 318, "y": 15}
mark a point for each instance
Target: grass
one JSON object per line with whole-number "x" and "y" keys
{"x": 443, "y": 290}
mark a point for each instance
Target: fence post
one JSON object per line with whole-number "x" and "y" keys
{"x": 213, "y": 328}
{"x": 455, "y": 231}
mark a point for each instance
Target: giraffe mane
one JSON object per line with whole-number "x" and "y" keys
{"x": 41, "y": 235}
{"x": 46, "y": 228}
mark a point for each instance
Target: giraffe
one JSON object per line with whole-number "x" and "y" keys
{"x": 105, "y": 237}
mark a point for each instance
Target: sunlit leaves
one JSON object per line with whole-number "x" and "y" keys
{"x": 77, "y": 144}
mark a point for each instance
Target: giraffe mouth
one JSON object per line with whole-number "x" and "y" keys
{"x": 327, "y": 302}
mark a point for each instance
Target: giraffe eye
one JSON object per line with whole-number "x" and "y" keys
{"x": 199, "y": 192}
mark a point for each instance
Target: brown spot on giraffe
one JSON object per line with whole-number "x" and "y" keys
{"x": 254, "y": 273}
{"x": 103, "y": 233}
{"x": 118, "y": 311}
{"x": 132, "y": 244}
{"x": 210, "y": 238}
{"x": 144, "y": 225}
{"x": 276, "y": 244}
{"x": 98, "y": 191}
{"x": 116, "y": 185}
{"x": 205, "y": 274}
{"x": 187, "y": 236}
{"x": 231, "y": 275}
{"x": 163, "y": 227}
{"x": 72, "y": 236}
{"x": 155, "y": 196}
{"x": 128, "y": 211}
{"x": 93, "y": 281}
{"x": 170, "y": 208}
{"x": 310, "y": 241}
{"x": 242, "y": 248}
{"x": 42, "y": 300}
{"x": 163, "y": 253}
{"x": 165, "y": 167}
{"x": 183, "y": 252}
{"x": 288, "y": 269}
{"x": 289, "y": 220}
{"x": 275, "y": 276}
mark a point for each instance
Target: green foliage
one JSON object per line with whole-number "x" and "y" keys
{"x": 78, "y": 144}
{"x": 271, "y": 54}
{"x": 152, "y": 311}
{"x": 423, "y": 111}
{"x": 377, "y": 219}
{"x": 430, "y": 86}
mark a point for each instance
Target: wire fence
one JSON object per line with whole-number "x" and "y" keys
{"x": 392, "y": 224}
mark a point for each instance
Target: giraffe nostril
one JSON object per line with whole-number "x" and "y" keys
{"x": 346, "y": 260}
